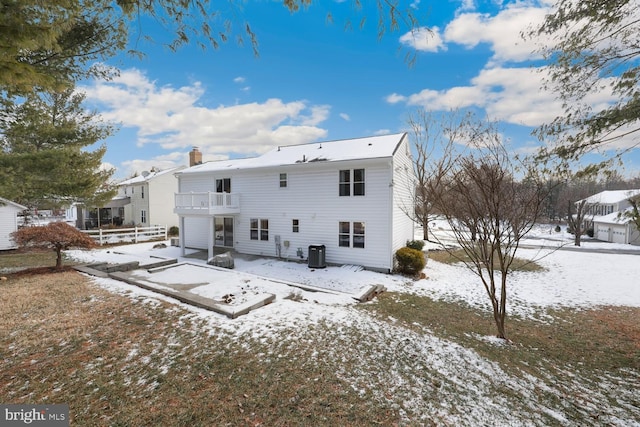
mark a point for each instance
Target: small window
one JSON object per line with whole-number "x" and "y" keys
{"x": 344, "y": 231}
{"x": 142, "y": 191}
{"x": 345, "y": 183}
{"x": 264, "y": 229}
{"x": 295, "y": 225}
{"x": 283, "y": 180}
{"x": 358, "y": 182}
{"x": 143, "y": 216}
{"x": 358, "y": 234}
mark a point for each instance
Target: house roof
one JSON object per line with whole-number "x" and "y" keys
{"x": 372, "y": 147}
{"x": 148, "y": 176}
{"x": 612, "y": 196}
{"x": 4, "y": 201}
{"x": 613, "y": 218}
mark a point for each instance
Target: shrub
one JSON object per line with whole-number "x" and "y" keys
{"x": 558, "y": 229}
{"x": 415, "y": 244}
{"x": 174, "y": 231}
{"x": 590, "y": 232}
{"x": 410, "y": 261}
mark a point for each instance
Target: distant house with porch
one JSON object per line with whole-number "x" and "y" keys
{"x": 8, "y": 222}
{"x": 144, "y": 200}
{"x": 346, "y": 198}
{"x": 605, "y": 211}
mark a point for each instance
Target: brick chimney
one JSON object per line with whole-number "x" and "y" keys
{"x": 195, "y": 157}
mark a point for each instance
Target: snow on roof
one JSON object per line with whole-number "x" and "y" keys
{"x": 147, "y": 176}
{"x": 612, "y": 196}
{"x": 372, "y": 147}
{"x": 613, "y": 218}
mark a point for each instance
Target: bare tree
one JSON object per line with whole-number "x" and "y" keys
{"x": 489, "y": 212}
{"x": 434, "y": 141}
{"x": 577, "y": 215}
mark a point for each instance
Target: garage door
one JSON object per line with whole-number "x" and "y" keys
{"x": 618, "y": 235}
{"x": 602, "y": 233}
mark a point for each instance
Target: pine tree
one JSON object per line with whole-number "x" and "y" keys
{"x": 44, "y": 155}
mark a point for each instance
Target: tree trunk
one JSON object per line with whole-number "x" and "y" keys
{"x": 425, "y": 230}
{"x": 58, "y": 258}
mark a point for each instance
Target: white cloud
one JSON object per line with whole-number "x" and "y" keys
{"x": 382, "y": 132}
{"x": 509, "y": 94}
{"x": 173, "y": 118}
{"x": 502, "y": 31}
{"x": 424, "y": 39}
{"x": 239, "y": 79}
{"x": 345, "y": 116}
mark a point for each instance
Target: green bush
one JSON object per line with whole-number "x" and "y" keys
{"x": 415, "y": 244}
{"x": 410, "y": 261}
{"x": 174, "y": 231}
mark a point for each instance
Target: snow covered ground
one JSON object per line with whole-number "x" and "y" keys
{"x": 570, "y": 279}
{"x": 471, "y": 389}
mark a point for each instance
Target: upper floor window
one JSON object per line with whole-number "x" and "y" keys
{"x": 295, "y": 225}
{"x": 351, "y": 183}
{"x": 223, "y": 185}
{"x": 283, "y": 180}
{"x": 358, "y": 182}
{"x": 142, "y": 191}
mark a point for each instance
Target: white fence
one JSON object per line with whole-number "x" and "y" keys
{"x": 133, "y": 235}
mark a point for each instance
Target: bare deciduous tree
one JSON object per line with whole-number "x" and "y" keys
{"x": 434, "y": 140}
{"x": 490, "y": 211}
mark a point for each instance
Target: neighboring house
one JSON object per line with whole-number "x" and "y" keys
{"x": 8, "y": 222}
{"x": 143, "y": 200}
{"x": 348, "y": 195}
{"x": 605, "y": 211}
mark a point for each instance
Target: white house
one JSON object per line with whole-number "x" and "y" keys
{"x": 8, "y": 222}
{"x": 150, "y": 198}
{"x": 143, "y": 200}
{"x": 605, "y": 211}
{"x": 349, "y": 196}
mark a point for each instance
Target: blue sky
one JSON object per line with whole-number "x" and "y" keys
{"x": 314, "y": 81}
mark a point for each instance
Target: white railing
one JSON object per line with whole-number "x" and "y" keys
{"x": 206, "y": 203}
{"x": 133, "y": 235}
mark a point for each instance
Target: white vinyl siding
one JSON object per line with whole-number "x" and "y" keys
{"x": 321, "y": 216}
{"x": 8, "y": 224}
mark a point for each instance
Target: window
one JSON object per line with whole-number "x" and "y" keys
{"x": 344, "y": 232}
{"x": 142, "y": 191}
{"x": 283, "y": 180}
{"x": 143, "y": 216}
{"x": 351, "y": 236}
{"x": 259, "y": 229}
{"x": 253, "y": 229}
{"x": 358, "y": 182}
{"x": 295, "y": 225}
{"x": 223, "y": 185}
{"x": 345, "y": 182}
{"x": 358, "y": 234}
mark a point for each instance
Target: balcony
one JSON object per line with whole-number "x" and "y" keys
{"x": 207, "y": 204}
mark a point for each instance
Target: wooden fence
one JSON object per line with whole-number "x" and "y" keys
{"x": 133, "y": 235}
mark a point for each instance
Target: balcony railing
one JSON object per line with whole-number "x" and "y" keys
{"x": 207, "y": 203}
